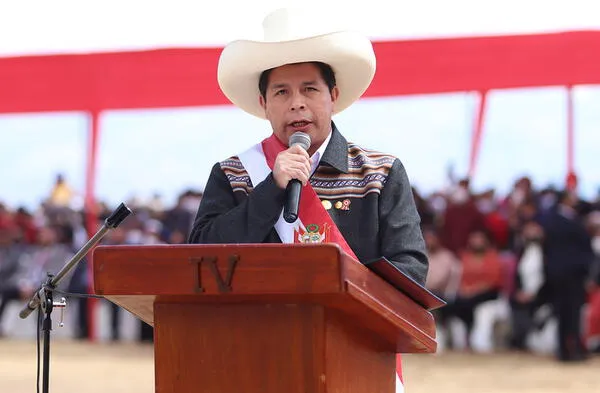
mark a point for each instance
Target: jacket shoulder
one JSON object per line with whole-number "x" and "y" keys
{"x": 368, "y": 172}
{"x": 360, "y": 159}
{"x": 236, "y": 174}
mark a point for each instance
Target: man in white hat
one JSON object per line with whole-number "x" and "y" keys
{"x": 297, "y": 79}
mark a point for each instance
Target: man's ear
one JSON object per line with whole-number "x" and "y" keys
{"x": 335, "y": 93}
{"x": 263, "y": 102}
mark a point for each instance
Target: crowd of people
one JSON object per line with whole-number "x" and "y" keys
{"x": 33, "y": 243}
{"x": 531, "y": 249}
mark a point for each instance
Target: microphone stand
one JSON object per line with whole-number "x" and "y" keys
{"x": 43, "y": 298}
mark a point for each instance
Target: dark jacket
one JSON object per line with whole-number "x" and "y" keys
{"x": 382, "y": 219}
{"x": 567, "y": 247}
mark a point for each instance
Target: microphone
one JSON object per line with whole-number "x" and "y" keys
{"x": 294, "y": 187}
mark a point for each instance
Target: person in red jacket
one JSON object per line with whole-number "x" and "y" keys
{"x": 481, "y": 278}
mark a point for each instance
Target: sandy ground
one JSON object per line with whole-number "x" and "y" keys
{"x": 89, "y": 368}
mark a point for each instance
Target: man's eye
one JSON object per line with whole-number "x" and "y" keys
{"x": 280, "y": 92}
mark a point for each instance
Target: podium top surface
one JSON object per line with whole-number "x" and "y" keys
{"x": 135, "y": 277}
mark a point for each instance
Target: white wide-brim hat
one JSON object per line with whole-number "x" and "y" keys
{"x": 293, "y": 36}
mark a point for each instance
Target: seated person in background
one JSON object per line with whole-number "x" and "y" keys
{"x": 444, "y": 267}
{"x": 481, "y": 278}
{"x": 48, "y": 255}
{"x": 9, "y": 266}
{"x": 529, "y": 278}
{"x": 443, "y": 275}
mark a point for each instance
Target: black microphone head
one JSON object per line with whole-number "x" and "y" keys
{"x": 118, "y": 216}
{"x": 300, "y": 138}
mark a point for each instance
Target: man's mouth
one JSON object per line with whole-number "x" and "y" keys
{"x": 299, "y": 124}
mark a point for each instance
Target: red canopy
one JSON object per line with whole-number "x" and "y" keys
{"x": 187, "y": 77}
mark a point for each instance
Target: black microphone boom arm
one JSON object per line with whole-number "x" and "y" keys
{"x": 111, "y": 222}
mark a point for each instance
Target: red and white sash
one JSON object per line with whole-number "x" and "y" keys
{"x": 314, "y": 224}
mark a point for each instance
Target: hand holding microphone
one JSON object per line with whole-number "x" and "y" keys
{"x": 293, "y": 163}
{"x": 291, "y": 171}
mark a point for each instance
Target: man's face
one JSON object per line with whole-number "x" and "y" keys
{"x": 298, "y": 99}
{"x": 478, "y": 241}
{"x": 46, "y": 236}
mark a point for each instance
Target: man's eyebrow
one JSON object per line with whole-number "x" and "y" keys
{"x": 276, "y": 86}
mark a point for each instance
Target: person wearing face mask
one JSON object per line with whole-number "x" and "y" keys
{"x": 461, "y": 218}
{"x": 529, "y": 283}
{"x": 442, "y": 277}
{"x": 494, "y": 219}
{"x": 481, "y": 278}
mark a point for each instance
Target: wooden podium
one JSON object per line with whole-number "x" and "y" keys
{"x": 264, "y": 318}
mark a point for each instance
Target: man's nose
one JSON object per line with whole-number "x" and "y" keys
{"x": 298, "y": 102}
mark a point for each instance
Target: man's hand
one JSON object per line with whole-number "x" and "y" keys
{"x": 293, "y": 163}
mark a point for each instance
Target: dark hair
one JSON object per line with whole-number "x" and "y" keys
{"x": 487, "y": 234}
{"x": 326, "y": 73}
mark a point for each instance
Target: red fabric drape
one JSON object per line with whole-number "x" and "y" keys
{"x": 187, "y": 77}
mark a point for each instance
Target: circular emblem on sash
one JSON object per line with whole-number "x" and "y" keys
{"x": 313, "y": 233}
{"x": 312, "y": 228}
